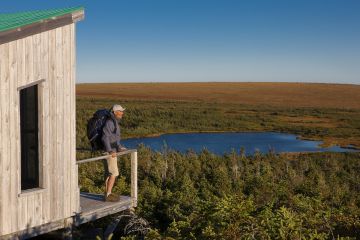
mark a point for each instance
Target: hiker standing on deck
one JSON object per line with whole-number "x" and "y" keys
{"x": 111, "y": 142}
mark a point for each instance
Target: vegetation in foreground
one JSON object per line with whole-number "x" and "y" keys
{"x": 265, "y": 196}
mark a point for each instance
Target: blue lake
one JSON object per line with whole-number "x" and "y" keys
{"x": 221, "y": 143}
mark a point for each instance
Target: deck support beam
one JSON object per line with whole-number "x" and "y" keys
{"x": 68, "y": 229}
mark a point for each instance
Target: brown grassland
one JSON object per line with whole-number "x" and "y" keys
{"x": 316, "y": 95}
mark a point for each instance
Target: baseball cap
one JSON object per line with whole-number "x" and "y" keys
{"x": 118, "y": 107}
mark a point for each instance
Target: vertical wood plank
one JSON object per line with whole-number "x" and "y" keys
{"x": 23, "y": 220}
{"x": 37, "y": 57}
{"x": 30, "y": 199}
{"x": 59, "y": 78}
{"x": 75, "y": 186}
{"x": 17, "y": 155}
{"x": 21, "y": 62}
{"x": 29, "y": 60}
{"x": 2, "y": 126}
{"x": 53, "y": 200}
{"x": 45, "y": 126}
{"x": 38, "y": 209}
{"x": 13, "y": 126}
{"x": 23, "y": 214}
{"x": 5, "y": 132}
{"x": 37, "y": 65}
{"x": 66, "y": 112}
{"x": 72, "y": 166}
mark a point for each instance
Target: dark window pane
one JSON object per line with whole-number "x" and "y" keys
{"x": 29, "y": 138}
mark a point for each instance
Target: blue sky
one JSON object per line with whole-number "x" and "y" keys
{"x": 214, "y": 40}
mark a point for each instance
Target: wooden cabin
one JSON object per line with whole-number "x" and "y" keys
{"x": 39, "y": 189}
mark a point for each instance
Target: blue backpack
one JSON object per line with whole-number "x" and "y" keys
{"x": 95, "y": 126}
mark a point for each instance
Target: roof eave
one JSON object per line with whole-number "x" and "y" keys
{"x": 41, "y": 26}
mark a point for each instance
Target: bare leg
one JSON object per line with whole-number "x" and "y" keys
{"x": 106, "y": 183}
{"x": 109, "y": 183}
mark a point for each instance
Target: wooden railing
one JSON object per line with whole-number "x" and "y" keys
{"x": 134, "y": 166}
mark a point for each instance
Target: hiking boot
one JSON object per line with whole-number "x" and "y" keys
{"x": 111, "y": 198}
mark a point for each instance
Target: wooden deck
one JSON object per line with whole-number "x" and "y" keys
{"x": 94, "y": 207}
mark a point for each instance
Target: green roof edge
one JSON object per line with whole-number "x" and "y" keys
{"x": 32, "y": 17}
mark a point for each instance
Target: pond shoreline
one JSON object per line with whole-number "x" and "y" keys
{"x": 298, "y": 136}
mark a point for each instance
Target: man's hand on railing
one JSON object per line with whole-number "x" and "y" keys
{"x": 122, "y": 148}
{"x": 113, "y": 154}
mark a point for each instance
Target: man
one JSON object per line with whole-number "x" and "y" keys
{"x": 111, "y": 141}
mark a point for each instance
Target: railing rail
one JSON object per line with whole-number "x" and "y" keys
{"x": 134, "y": 166}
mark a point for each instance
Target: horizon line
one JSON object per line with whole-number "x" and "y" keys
{"x": 150, "y": 82}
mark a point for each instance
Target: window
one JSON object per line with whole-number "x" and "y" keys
{"x": 29, "y": 128}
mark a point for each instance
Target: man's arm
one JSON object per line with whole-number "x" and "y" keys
{"x": 107, "y": 132}
{"x": 121, "y": 147}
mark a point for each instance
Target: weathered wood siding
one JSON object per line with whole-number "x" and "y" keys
{"x": 47, "y": 56}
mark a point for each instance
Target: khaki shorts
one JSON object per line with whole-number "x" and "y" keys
{"x": 111, "y": 167}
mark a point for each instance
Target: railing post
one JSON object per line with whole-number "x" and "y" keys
{"x": 134, "y": 178}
